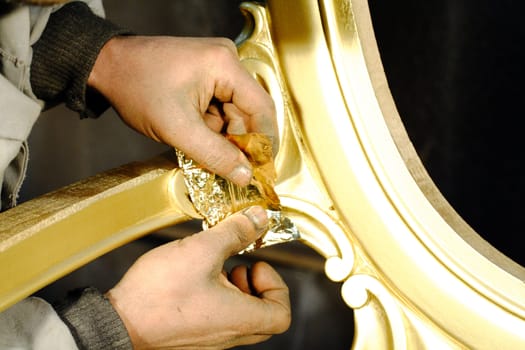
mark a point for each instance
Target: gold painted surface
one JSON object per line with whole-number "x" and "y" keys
{"x": 416, "y": 275}
{"x": 45, "y": 238}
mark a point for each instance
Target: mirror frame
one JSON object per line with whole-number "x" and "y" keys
{"x": 416, "y": 275}
{"x": 420, "y": 276}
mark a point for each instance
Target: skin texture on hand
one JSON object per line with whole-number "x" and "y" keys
{"x": 185, "y": 92}
{"x": 177, "y": 296}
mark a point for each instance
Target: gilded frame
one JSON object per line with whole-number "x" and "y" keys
{"x": 416, "y": 275}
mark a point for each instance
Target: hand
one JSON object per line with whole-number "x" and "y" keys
{"x": 178, "y": 296}
{"x": 183, "y": 92}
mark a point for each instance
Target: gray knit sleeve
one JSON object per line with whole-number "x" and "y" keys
{"x": 93, "y": 321}
{"x": 64, "y": 56}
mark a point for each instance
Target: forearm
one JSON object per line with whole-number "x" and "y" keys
{"x": 65, "y": 54}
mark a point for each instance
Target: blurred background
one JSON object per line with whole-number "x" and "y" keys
{"x": 455, "y": 69}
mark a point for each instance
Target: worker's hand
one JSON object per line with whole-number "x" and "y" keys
{"x": 183, "y": 92}
{"x": 178, "y": 296}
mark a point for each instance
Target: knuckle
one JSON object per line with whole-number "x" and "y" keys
{"x": 224, "y": 50}
{"x": 269, "y": 102}
{"x": 228, "y": 44}
{"x": 278, "y": 320}
{"x": 285, "y": 321}
{"x": 281, "y": 321}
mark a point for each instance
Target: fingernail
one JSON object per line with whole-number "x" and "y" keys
{"x": 241, "y": 175}
{"x": 257, "y": 215}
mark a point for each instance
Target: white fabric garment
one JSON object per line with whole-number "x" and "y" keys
{"x": 33, "y": 324}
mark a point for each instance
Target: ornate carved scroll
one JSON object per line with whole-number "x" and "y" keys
{"x": 416, "y": 275}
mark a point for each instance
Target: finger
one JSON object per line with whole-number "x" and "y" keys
{"x": 213, "y": 121}
{"x": 235, "y": 120}
{"x": 235, "y": 233}
{"x": 269, "y": 285}
{"x": 250, "y": 98}
{"x": 212, "y": 151}
{"x": 239, "y": 277}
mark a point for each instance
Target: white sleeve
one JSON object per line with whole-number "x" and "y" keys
{"x": 34, "y": 324}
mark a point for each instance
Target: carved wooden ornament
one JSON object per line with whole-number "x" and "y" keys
{"x": 416, "y": 275}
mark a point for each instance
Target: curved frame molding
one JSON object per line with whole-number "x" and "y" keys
{"x": 44, "y": 239}
{"x": 416, "y": 275}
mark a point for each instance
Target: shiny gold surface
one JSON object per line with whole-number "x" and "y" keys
{"x": 416, "y": 275}
{"x": 44, "y": 239}
{"x": 216, "y": 198}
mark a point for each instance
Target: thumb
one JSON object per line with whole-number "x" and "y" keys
{"x": 235, "y": 233}
{"x": 215, "y": 153}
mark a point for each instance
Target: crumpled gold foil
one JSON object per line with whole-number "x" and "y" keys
{"x": 216, "y": 198}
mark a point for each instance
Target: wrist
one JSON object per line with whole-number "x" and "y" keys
{"x": 135, "y": 338}
{"x": 98, "y": 78}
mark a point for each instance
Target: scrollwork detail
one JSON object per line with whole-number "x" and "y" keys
{"x": 376, "y": 311}
{"x": 320, "y": 231}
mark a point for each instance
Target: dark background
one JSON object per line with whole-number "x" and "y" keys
{"x": 455, "y": 69}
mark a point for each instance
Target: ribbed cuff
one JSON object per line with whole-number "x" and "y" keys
{"x": 64, "y": 56}
{"x": 93, "y": 321}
